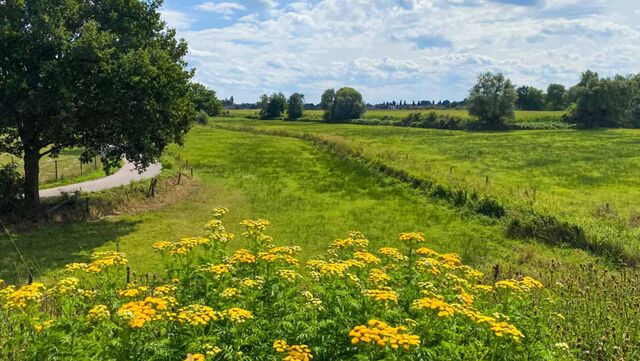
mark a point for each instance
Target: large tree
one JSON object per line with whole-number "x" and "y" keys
{"x": 529, "y": 98}
{"x": 344, "y": 104}
{"x": 555, "y": 97}
{"x": 273, "y": 106}
{"x": 106, "y": 76}
{"x": 295, "y": 106}
{"x": 204, "y": 99}
{"x": 492, "y": 99}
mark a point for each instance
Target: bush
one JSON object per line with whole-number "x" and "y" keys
{"x": 202, "y": 118}
{"x": 405, "y": 303}
{"x": 11, "y": 189}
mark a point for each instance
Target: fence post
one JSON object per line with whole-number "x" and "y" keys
{"x": 80, "y": 168}
{"x": 95, "y": 163}
{"x": 179, "y": 177}
{"x": 56, "y": 166}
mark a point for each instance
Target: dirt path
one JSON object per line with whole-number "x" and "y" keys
{"x": 124, "y": 176}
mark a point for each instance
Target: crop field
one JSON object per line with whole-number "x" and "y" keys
{"x": 521, "y": 115}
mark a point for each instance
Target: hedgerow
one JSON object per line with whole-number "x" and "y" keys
{"x": 263, "y": 302}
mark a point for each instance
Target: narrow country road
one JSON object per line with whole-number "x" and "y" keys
{"x": 127, "y": 174}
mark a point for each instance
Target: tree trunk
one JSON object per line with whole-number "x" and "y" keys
{"x": 31, "y": 180}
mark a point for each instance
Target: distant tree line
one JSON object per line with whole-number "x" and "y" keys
{"x": 593, "y": 102}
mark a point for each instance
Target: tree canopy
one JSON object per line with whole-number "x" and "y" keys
{"x": 295, "y": 106}
{"x": 529, "y": 98}
{"x": 344, "y": 104}
{"x": 272, "y": 106}
{"x": 106, "y": 76}
{"x": 555, "y": 99}
{"x": 205, "y": 100}
{"x": 492, "y": 99}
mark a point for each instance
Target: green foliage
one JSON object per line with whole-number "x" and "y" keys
{"x": 345, "y": 104}
{"x": 205, "y": 100}
{"x": 602, "y": 102}
{"x": 555, "y": 99}
{"x": 202, "y": 117}
{"x": 11, "y": 189}
{"x": 529, "y": 98}
{"x": 492, "y": 100}
{"x": 295, "y": 106}
{"x": 105, "y": 76}
{"x": 273, "y": 106}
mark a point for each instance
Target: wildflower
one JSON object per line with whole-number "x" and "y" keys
{"x": 311, "y": 300}
{"x": 366, "y": 257}
{"x": 195, "y": 357}
{"x": 180, "y": 247}
{"x": 562, "y": 346}
{"x": 294, "y": 352}
{"x": 444, "y": 309}
{"x": 76, "y": 267}
{"x": 508, "y": 284}
{"x": 98, "y": 313}
{"x": 315, "y": 264}
{"x": 66, "y": 286}
{"x": 220, "y": 212}
{"x": 413, "y": 237}
{"x": 450, "y": 260}
{"x": 431, "y": 265}
{"x": 23, "y": 296}
{"x": 164, "y": 290}
{"x": 483, "y": 288}
{"x": 230, "y": 292}
{"x": 466, "y": 298}
{"x": 531, "y": 283}
{"x": 392, "y": 253}
{"x": 289, "y": 250}
{"x": 103, "y": 260}
{"x": 132, "y": 291}
{"x": 39, "y": 327}
{"x": 242, "y": 256}
{"x": 137, "y": 313}
{"x": 333, "y": 269}
{"x": 354, "y": 240}
{"x": 384, "y": 295}
{"x": 378, "y": 277}
{"x": 252, "y": 282}
{"x": 211, "y": 350}
{"x": 501, "y": 329}
{"x": 473, "y": 274}
{"x": 216, "y": 269}
{"x": 237, "y": 314}
{"x": 288, "y": 275}
{"x": 426, "y": 252}
{"x": 381, "y": 334}
{"x": 197, "y": 315}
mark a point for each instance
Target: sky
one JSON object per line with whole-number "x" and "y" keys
{"x": 401, "y": 49}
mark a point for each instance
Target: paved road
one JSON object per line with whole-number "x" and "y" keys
{"x": 124, "y": 176}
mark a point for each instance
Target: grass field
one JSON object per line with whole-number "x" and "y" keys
{"x": 521, "y": 115}
{"x": 586, "y": 177}
{"x": 68, "y": 165}
{"x": 312, "y": 196}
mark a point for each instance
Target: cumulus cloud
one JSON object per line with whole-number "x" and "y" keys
{"x": 176, "y": 19}
{"x": 404, "y": 49}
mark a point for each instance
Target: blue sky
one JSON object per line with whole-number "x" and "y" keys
{"x": 401, "y": 49}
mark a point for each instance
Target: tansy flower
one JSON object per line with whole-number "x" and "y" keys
{"x": 230, "y": 292}
{"x": 66, "y": 286}
{"x": 366, "y": 257}
{"x": 216, "y": 269}
{"x": 195, "y": 357}
{"x": 242, "y": 256}
{"x": 392, "y": 253}
{"x": 23, "y": 296}
{"x": 294, "y": 352}
{"x": 98, "y": 313}
{"x": 382, "y": 335}
{"x": 197, "y": 315}
{"x": 238, "y": 315}
{"x": 444, "y": 309}
{"x": 384, "y": 295}
{"x": 378, "y": 277}
{"x": 426, "y": 252}
{"x": 288, "y": 275}
{"x": 39, "y": 327}
{"x": 412, "y": 237}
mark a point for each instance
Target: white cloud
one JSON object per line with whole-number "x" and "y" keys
{"x": 176, "y": 19}
{"x": 223, "y": 8}
{"x": 420, "y": 49}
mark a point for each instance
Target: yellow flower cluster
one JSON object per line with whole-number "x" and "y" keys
{"x": 216, "y": 269}
{"x": 354, "y": 240}
{"x": 426, "y": 252}
{"x": 197, "y": 315}
{"x": 220, "y": 212}
{"x": 392, "y": 253}
{"x": 98, "y": 313}
{"x": 238, "y": 315}
{"x": 41, "y": 326}
{"x": 444, "y": 309}
{"x": 366, "y": 257}
{"x": 412, "y": 237}
{"x": 103, "y": 260}
{"x": 66, "y": 286}
{"x": 230, "y": 292}
{"x": 499, "y": 328}
{"x": 23, "y": 296}
{"x": 132, "y": 291}
{"x": 381, "y": 334}
{"x": 137, "y": 313}
{"x": 378, "y": 276}
{"x": 254, "y": 229}
{"x": 180, "y": 247}
{"x": 294, "y": 352}
{"x": 273, "y": 257}
{"x": 290, "y": 250}
{"x": 526, "y": 284}
{"x": 164, "y": 290}
{"x": 195, "y": 357}
{"x": 384, "y": 295}
{"x": 252, "y": 282}
{"x": 288, "y": 275}
{"x": 242, "y": 256}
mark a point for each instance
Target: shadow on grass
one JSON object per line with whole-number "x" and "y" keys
{"x": 47, "y": 249}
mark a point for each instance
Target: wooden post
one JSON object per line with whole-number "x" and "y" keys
{"x": 179, "y": 177}
{"x": 95, "y": 163}
{"x": 80, "y": 167}
{"x": 30, "y": 281}
{"x": 56, "y": 166}
{"x": 128, "y": 274}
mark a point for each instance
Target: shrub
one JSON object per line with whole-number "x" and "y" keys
{"x": 202, "y": 118}
{"x": 11, "y": 189}
{"x": 259, "y": 303}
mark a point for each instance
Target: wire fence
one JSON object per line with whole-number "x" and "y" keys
{"x": 53, "y": 170}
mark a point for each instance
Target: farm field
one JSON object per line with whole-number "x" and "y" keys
{"x": 521, "y": 115}
{"x": 586, "y": 177}
{"x": 312, "y": 196}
